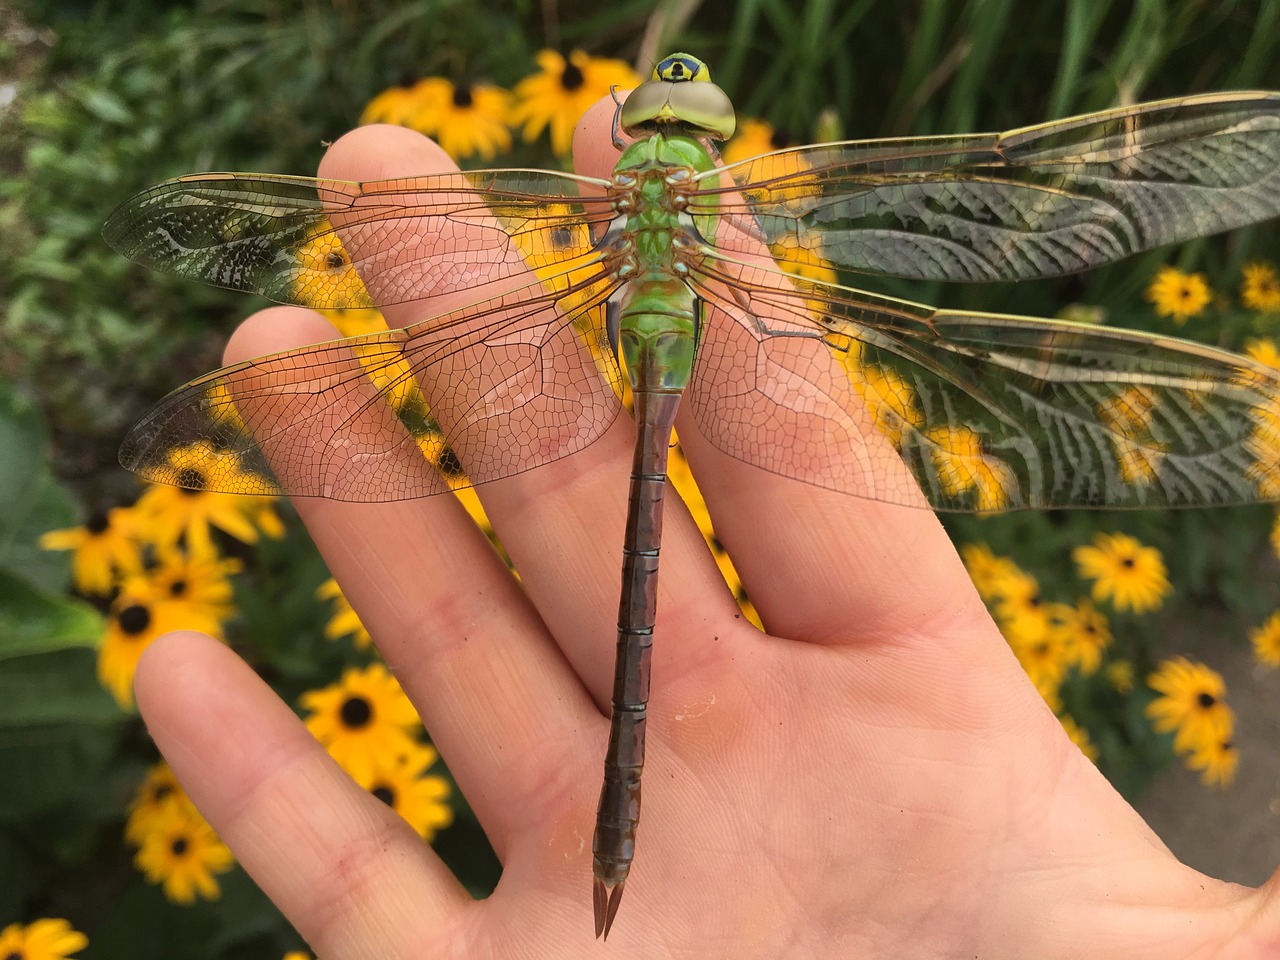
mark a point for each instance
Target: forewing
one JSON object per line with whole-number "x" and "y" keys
{"x": 315, "y": 242}
{"x": 1037, "y": 202}
{"x": 840, "y": 388}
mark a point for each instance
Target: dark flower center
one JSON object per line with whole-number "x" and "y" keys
{"x": 336, "y": 260}
{"x": 355, "y": 713}
{"x": 191, "y": 480}
{"x": 177, "y": 588}
{"x": 779, "y": 139}
{"x": 162, "y": 791}
{"x": 16, "y": 955}
{"x": 572, "y": 77}
{"x": 179, "y": 846}
{"x": 1206, "y": 700}
{"x": 385, "y": 794}
{"x": 1128, "y": 563}
{"x": 134, "y": 619}
{"x": 97, "y": 523}
{"x": 462, "y": 98}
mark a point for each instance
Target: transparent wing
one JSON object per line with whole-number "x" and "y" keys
{"x": 841, "y": 388}
{"x": 482, "y": 393}
{"x": 1036, "y": 202}
{"x": 310, "y": 242}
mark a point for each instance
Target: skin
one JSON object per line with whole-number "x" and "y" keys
{"x": 875, "y": 778}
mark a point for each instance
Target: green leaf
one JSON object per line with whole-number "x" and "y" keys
{"x": 58, "y": 730}
{"x": 32, "y": 621}
{"x": 33, "y": 499}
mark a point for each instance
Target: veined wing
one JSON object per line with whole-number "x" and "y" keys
{"x": 310, "y": 242}
{"x": 1037, "y": 202}
{"x": 478, "y": 394}
{"x": 839, "y": 388}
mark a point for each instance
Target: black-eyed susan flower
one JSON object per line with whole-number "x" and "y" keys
{"x": 1079, "y": 736}
{"x": 1087, "y": 635}
{"x": 1266, "y": 641}
{"x": 1131, "y": 575}
{"x": 1263, "y": 349}
{"x": 157, "y": 786}
{"x": 467, "y": 119}
{"x": 363, "y": 720}
{"x": 1044, "y": 658}
{"x": 754, "y": 138}
{"x": 562, "y": 90}
{"x": 190, "y": 510}
{"x": 141, "y": 612}
{"x": 964, "y": 467}
{"x": 49, "y": 938}
{"x": 1216, "y": 759}
{"x": 1119, "y": 674}
{"x": 106, "y": 548}
{"x": 1191, "y": 704}
{"x": 344, "y": 620}
{"x": 1021, "y": 608}
{"x": 403, "y": 784}
{"x": 201, "y": 580}
{"x": 180, "y": 851}
{"x": 990, "y": 574}
{"x": 1178, "y": 295}
{"x": 1261, "y": 287}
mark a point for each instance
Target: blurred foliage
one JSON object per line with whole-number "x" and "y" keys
{"x": 113, "y": 97}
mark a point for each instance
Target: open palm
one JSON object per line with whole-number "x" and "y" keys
{"x": 873, "y": 778}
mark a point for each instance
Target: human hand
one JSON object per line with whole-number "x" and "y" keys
{"x": 874, "y": 778}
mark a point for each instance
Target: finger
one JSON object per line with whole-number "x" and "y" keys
{"x": 819, "y": 565}
{"x": 344, "y": 868}
{"x": 563, "y": 522}
{"x": 444, "y": 611}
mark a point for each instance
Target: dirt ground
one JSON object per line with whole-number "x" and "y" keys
{"x": 1231, "y": 834}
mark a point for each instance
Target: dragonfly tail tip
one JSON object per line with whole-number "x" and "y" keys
{"x": 605, "y": 901}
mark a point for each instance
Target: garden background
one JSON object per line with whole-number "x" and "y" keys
{"x": 98, "y": 101}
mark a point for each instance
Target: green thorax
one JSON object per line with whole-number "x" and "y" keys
{"x": 658, "y": 326}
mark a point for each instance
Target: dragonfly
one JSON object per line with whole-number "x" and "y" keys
{"x": 682, "y": 282}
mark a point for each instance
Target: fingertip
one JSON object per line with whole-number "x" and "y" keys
{"x": 165, "y": 666}
{"x": 276, "y": 329}
{"x": 382, "y": 151}
{"x": 594, "y": 154}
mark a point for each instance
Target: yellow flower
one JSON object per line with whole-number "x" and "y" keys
{"x": 190, "y": 509}
{"x": 562, "y": 90}
{"x": 356, "y": 323}
{"x": 106, "y": 547}
{"x": 888, "y": 396}
{"x": 465, "y": 119}
{"x": 181, "y": 851}
{"x": 1131, "y": 575}
{"x": 1079, "y": 736}
{"x": 1178, "y": 295}
{"x": 45, "y": 939}
{"x": 963, "y": 466}
{"x": 989, "y": 573}
{"x": 753, "y": 139}
{"x": 362, "y": 720}
{"x": 158, "y": 786}
{"x": 1217, "y": 760}
{"x": 326, "y": 275}
{"x": 1266, "y": 641}
{"x": 201, "y": 580}
{"x": 297, "y": 955}
{"x": 1261, "y": 288}
{"x": 344, "y": 620}
{"x": 1087, "y": 634}
{"x": 422, "y": 801}
{"x": 143, "y": 611}
{"x": 1020, "y": 607}
{"x": 1120, "y": 675}
{"x": 1190, "y": 703}
{"x": 1263, "y": 349}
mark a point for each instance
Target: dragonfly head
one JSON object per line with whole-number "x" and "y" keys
{"x": 679, "y": 97}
